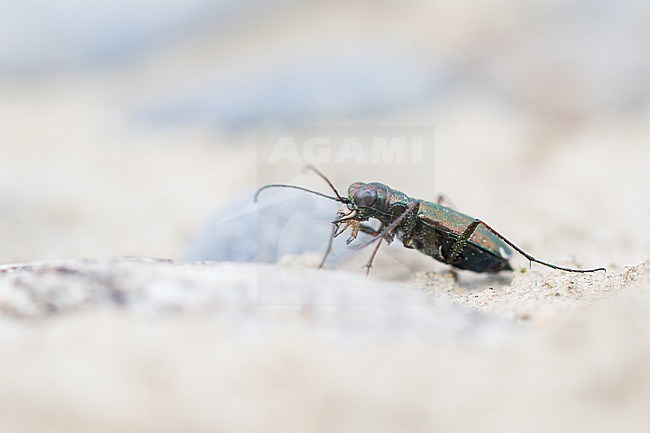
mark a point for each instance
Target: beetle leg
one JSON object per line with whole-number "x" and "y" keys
{"x": 338, "y": 232}
{"x": 407, "y": 229}
{"x": 386, "y": 233}
{"x": 369, "y": 230}
{"x": 356, "y": 225}
{"x": 393, "y": 226}
{"x": 390, "y": 237}
{"x": 329, "y": 245}
{"x": 467, "y": 233}
{"x": 344, "y": 219}
{"x": 368, "y": 265}
{"x": 460, "y": 243}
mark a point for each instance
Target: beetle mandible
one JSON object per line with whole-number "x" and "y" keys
{"x": 438, "y": 231}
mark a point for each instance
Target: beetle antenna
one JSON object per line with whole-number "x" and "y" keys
{"x": 318, "y": 172}
{"x": 278, "y": 185}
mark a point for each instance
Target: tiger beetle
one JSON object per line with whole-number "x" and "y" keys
{"x": 438, "y": 231}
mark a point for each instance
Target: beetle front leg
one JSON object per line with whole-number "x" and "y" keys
{"x": 389, "y": 232}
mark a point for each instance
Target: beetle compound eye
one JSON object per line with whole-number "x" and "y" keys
{"x": 365, "y": 197}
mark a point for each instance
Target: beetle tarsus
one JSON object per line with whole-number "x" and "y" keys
{"x": 368, "y": 265}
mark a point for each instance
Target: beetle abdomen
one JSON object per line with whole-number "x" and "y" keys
{"x": 439, "y": 244}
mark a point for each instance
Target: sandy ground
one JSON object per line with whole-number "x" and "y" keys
{"x": 90, "y": 342}
{"x": 136, "y": 345}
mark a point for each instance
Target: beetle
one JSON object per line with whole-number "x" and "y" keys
{"x": 433, "y": 229}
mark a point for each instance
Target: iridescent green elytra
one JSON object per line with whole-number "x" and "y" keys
{"x": 431, "y": 228}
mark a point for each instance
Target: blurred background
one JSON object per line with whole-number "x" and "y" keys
{"x": 126, "y": 126}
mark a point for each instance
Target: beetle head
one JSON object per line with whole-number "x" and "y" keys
{"x": 368, "y": 199}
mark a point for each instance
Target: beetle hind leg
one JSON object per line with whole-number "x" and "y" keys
{"x": 458, "y": 246}
{"x": 454, "y": 254}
